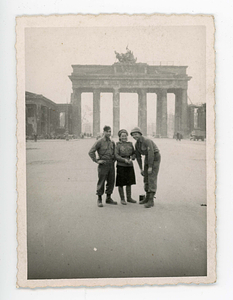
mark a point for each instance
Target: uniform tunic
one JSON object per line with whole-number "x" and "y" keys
{"x": 147, "y": 147}
{"x": 106, "y": 172}
{"x": 125, "y": 172}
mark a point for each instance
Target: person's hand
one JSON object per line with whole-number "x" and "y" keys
{"x": 142, "y": 172}
{"x": 127, "y": 161}
{"x": 150, "y": 170}
{"x": 101, "y": 162}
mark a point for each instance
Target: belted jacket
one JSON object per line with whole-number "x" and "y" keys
{"x": 105, "y": 149}
{"x": 147, "y": 147}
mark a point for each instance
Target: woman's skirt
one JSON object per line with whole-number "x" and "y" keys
{"x": 125, "y": 176}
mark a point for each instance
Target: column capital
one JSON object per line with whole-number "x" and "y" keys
{"x": 142, "y": 94}
{"x": 76, "y": 94}
{"x": 161, "y": 92}
{"x": 142, "y": 90}
{"x": 177, "y": 92}
{"x": 97, "y": 90}
{"x": 77, "y": 90}
{"x": 116, "y": 90}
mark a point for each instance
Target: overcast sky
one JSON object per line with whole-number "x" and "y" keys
{"x": 50, "y": 52}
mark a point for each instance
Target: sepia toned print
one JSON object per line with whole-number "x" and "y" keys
{"x": 116, "y": 172}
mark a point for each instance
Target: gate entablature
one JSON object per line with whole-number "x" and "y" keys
{"x": 128, "y": 76}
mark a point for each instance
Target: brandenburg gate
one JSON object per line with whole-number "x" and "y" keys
{"x": 127, "y": 76}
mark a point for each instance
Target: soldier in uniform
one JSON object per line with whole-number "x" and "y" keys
{"x": 106, "y": 171}
{"x": 147, "y": 147}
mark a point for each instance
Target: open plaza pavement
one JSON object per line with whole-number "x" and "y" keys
{"x": 68, "y": 236}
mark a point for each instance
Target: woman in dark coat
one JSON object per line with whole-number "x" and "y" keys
{"x": 124, "y": 153}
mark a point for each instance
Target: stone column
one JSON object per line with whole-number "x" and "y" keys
{"x": 164, "y": 113}
{"x": 35, "y": 118}
{"x": 51, "y": 120}
{"x": 48, "y": 120}
{"x": 76, "y": 112}
{"x": 116, "y": 112}
{"x": 38, "y": 119}
{"x": 67, "y": 119}
{"x": 177, "y": 112}
{"x": 142, "y": 111}
{"x": 96, "y": 112}
{"x": 184, "y": 102}
{"x": 162, "y": 95}
{"x": 191, "y": 118}
{"x": 159, "y": 115}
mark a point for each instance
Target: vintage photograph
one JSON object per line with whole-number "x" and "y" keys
{"x": 116, "y": 172}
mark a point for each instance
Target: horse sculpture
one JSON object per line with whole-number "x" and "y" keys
{"x": 126, "y": 58}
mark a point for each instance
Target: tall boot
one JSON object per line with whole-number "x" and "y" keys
{"x": 128, "y": 193}
{"x": 109, "y": 200}
{"x": 153, "y": 200}
{"x": 150, "y": 202}
{"x": 99, "y": 201}
{"x": 122, "y": 196}
{"x": 145, "y": 200}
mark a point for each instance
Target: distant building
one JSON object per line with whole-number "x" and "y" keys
{"x": 87, "y": 128}
{"x": 197, "y": 117}
{"x": 44, "y": 117}
{"x": 65, "y": 117}
{"x": 201, "y": 113}
{"x": 47, "y": 119}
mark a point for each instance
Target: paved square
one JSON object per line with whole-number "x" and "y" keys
{"x": 70, "y": 237}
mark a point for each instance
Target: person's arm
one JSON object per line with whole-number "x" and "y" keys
{"x": 156, "y": 153}
{"x": 114, "y": 151}
{"x": 133, "y": 155}
{"x": 138, "y": 157}
{"x": 117, "y": 154}
{"x": 150, "y": 151}
{"x": 94, "y": 148}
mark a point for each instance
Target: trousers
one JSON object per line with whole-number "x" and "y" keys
{"x": 150, "y": 180}
{"x": 106, "y": 173}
